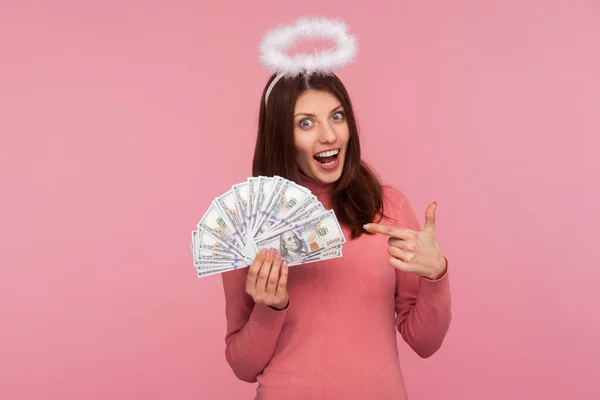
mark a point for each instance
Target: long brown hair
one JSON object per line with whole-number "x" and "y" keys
{"x": 357, "y": 197}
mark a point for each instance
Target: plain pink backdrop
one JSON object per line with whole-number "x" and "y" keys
{"x": 121, "y": 120}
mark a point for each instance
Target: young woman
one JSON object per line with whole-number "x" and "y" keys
{"x": 327, "y": 330}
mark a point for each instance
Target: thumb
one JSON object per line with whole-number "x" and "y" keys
{"x": 430, "y": 217}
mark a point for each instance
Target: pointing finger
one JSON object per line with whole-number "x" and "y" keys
{"x": 399, "y": 233}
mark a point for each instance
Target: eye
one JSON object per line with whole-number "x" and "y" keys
{"x": 305, "y": 123}
{"x": 339, "y": 116}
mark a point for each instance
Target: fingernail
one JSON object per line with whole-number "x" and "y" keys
{"x": 365, "y": 226}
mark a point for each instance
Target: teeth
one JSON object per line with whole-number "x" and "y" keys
{"x": 327, "y": 153}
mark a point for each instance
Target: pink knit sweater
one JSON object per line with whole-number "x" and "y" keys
{"x": 337, "y": 338}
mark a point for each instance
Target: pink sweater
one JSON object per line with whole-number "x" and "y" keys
{"x": 337, "y": 338}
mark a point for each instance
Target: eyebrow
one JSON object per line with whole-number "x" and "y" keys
{"x": 312, "y": 115}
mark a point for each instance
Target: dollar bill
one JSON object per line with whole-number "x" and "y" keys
{"x": 264, "y": 191}
{"x": 227, "y": 207}
{"x": 289, "y": 196}
{"x": 207, "y": 262}
{"x": 252, "y": 190}
{"x": 213, "y": 223}
{"x": 202, "y": 272}
{"x": 264, "y": 212}
{"x": 205, "y": 248}
{"x": 307, "y": 238}
{"x": 240, "y": 194}
{"x": 311, "y": 206}
{"x": 208, "y": 244}
{"x": 273, "y": 195}
{"x": 334, "y": 252}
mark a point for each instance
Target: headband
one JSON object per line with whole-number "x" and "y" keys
{"x": 276, "y": 41}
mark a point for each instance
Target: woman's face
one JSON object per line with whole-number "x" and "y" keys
{"x": 320, "y": 135}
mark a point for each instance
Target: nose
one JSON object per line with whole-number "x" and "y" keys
{"x": 327, "y": 134}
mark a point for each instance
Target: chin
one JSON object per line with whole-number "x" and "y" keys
{"x": 329, "y": 178}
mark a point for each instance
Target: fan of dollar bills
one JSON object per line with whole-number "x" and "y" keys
{"x": 263, "y": 213}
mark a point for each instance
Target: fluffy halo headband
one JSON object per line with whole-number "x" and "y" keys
{"x": 276, "y": 41}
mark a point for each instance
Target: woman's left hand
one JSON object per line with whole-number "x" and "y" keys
{"x": 414, "y": 251}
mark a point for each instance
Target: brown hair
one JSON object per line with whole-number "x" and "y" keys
{"x": 357, "y": 197}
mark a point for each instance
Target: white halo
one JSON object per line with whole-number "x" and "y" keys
{"x": 276, "y": 41}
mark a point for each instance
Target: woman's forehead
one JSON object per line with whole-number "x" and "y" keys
{"x": 315, "y": 101}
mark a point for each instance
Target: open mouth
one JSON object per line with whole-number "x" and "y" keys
{"x": 327, "y": 158}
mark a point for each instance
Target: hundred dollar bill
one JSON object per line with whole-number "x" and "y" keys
{"x": 228, "y": 209}
{"x": 202, "y": 272}
{"x": 264, "y": 189}
{"x": 312, "y": 235}
{"x": 306, "y": 209}
{"x": 213, "y": 224}
{"x": 240, "y": 194}
{"x": 204, "y": 266}
{"x": 258, "y": 194}
{"x": 334, "y": 252}
{"x": 251, "y": 184}
{"x": 290, "y": 195}
{"x": 276, "y": 189}
{"x": 205, "y": 248}
{"x": 208, "y": 264}
{"x": 209, "y": 244}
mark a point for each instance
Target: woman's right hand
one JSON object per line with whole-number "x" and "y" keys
{"x": 266, "y": 281}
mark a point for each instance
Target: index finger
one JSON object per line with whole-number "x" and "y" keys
{"x": 400, "y": 233}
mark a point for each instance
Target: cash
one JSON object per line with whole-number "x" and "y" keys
{"x": 263, "y": 213}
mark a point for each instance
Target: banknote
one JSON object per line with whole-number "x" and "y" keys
{"x": 282, "y": 203}
{"x": 264, "y": 212}
{"x": 240, "y": 194}
{"x": 307, "y": 238}
{"x": 229, "y": 211}
{"x": 334, "y": 252}
{"x": 311, "y": 206}
{"x": 252, "y": 186}
{"x": 206, "y": 266}
{"x": 213, "y": 223}
{"x": 264, "y": 193}
{"x": 272, "y": 193}
{"x": 204, "y": 247}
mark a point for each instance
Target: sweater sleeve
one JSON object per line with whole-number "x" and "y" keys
{"x": 423, "y": 306}
{"x": 252, "y": 329}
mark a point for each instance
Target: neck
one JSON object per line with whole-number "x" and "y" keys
{"x": 319, "y": 189}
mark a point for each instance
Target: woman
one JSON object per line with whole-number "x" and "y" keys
{"x": 328, "y": 330}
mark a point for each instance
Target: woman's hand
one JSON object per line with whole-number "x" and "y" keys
{"x": 414, "y": 251}
{"x": 266, "y": 281}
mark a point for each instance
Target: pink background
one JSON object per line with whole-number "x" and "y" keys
{"x": 121, "y": 120}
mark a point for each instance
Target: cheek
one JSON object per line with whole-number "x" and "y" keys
{"x": 344, "y": 134}
{"x": 303, "y": 148}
